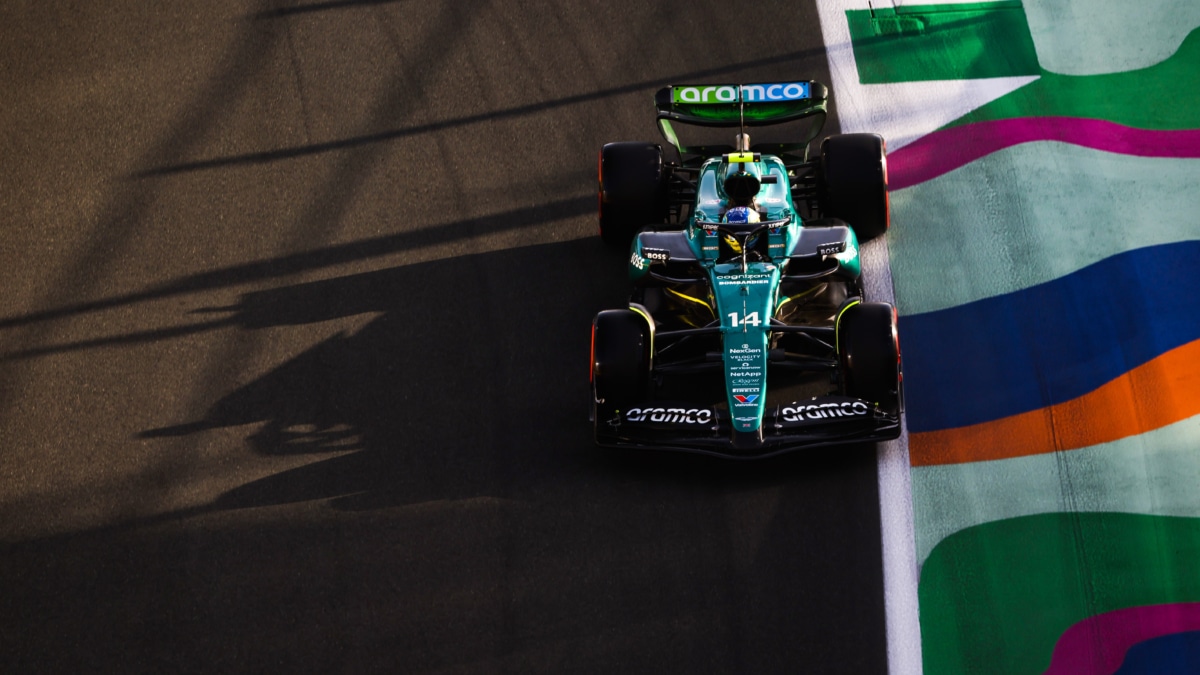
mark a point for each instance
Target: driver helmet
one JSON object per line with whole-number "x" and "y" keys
{"x": 741, "y": 214}
{"x": 742, "y": 182}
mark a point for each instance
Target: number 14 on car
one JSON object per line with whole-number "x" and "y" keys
{"x": 736, "y": 320}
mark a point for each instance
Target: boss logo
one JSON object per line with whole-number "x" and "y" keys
{"x": 831, "y": 249}
{"x": 656, "y": 255}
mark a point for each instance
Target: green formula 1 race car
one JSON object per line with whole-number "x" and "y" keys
{"x": 746, "y": 334}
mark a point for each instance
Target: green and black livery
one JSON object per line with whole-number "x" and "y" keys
{"x": 744, "y": 339}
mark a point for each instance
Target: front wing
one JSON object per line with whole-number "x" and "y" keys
{"x": 818, "y": 422}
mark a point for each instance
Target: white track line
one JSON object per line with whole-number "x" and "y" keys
{"x": 895, "y": 496}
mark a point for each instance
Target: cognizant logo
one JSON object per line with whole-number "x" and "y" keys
{"x": 751, "y": 93}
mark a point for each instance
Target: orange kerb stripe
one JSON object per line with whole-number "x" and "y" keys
{"x": 1153, "y": 395}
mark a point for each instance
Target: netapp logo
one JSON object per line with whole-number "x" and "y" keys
{"x": 670, "y": 415}
{"x": 823, "y": 411}
{"x": 751, "y": 93}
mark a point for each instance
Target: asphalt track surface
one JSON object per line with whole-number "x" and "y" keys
{"x": 293, "y": 343}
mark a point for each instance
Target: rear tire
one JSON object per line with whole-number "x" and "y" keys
{"x": 869, "y": 354}
{"x": 621, "y": 357}
{"x": 633, "y": 190}
{"x": 853, "y": 183}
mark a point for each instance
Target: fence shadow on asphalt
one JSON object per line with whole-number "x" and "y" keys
{"x": 527, "y": 550}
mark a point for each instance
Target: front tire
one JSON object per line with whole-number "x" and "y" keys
{"x": 853, "y": 183}
{"x": 621, "y": 358}
{"x": 869, "y": 354}
{"x": 633, "y": 190}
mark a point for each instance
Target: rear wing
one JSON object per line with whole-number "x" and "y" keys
{"x": 733, "y": 105}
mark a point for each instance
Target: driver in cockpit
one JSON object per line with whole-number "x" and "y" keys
{"x": 741, "y": 186}
{"x": 742, "y": 183}
{"x": 742, "y": 214}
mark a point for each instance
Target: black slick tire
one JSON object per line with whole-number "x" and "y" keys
{"x": 853, "y": 183}
{"x": 633, "y": 190}
{"x": 621, "y": 357}
{"x": 869, "y": 354}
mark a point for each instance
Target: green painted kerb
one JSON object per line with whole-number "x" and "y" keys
{"x": 942, "y": 42}
{"x": 1163, "y": 96}
{"x": 996, "y": 598}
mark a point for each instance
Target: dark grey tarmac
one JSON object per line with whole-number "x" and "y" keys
{"x": 294, "y": 308}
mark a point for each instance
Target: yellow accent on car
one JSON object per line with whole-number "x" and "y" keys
{"x": 807, "y": 292}
{"x": 649, "y": 320}
{"x": 741, "y": 157}
{"x": 689, "y": 298}
{"x": 837, "y": 325}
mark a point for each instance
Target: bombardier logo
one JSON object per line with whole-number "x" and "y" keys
{"x": 670, "y": 415}
{"x": 798, "y": 412}
{"x": 750, "y": 93}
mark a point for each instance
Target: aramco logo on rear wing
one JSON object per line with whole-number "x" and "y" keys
{"x": 750, "y": 93}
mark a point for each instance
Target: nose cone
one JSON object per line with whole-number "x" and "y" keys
{"x": 747, "y": 440}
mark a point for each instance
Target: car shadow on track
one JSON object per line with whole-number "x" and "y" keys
{"x": 471, "y": 380}
{"x": 451, "y": 446}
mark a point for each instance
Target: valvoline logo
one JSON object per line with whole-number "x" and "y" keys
{"x": 746, "y": 399}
